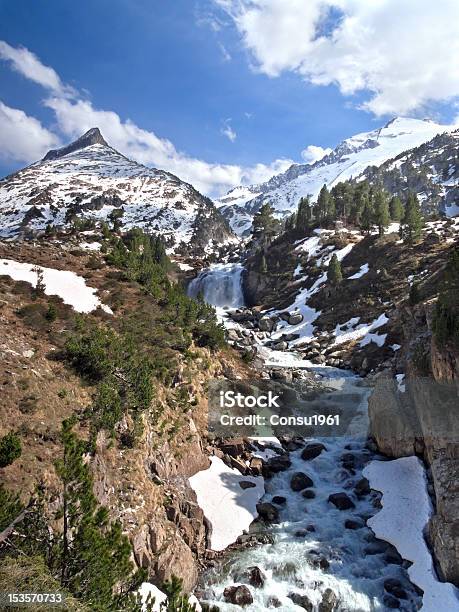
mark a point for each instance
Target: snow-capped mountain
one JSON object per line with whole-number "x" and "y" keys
{"x": 90, "y": 179}
{"x": 348, "y": 160}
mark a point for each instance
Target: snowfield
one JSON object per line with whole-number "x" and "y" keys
{"x": 402, "y": 520}
{"x": 229, "y": 508}
{"x": 66, "y": 284}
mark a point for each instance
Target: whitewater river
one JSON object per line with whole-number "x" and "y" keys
{"x": 316, "y": 557}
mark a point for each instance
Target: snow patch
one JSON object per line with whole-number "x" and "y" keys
{"x": 229, "y": 508}
{"x": 363, "y": 270}
{"x": 406, "y": 510}
{"x": 67, "y": 285}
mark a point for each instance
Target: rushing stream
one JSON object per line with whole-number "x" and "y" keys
{"x": 316, "y": 557}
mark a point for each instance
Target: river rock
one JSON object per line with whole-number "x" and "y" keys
{"x": 268, "y": 512}
{"x": 342, "y": 501}
{"x": 266, "y": 324}
{"x": 300, "y": 481}
{"x": 280, "y": 346}
{"x": 295, "y": 318}
{"x": 329, "y": 601}
{"x": 255, "y": 577}
{"x": 353, "y": 524}
{"x": 275, "y": 465}
{"x": 273, "y": 602}
{"x": 391, "y": 602}
{"x": 308, "y": 494}
{"x": 239, "y": 595}
{"x": 311, "y": 451}
{"x": 302, "y": 601}
{"x": 362, "y": 487}
{"x": 395, "y": 588}
{"x": 246, "y": 484}
{"x": 280, "y": 500}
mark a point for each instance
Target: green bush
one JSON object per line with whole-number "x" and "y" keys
{"x": 10, "y": 449}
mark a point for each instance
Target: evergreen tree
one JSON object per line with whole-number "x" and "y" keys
{"x": 366, "y": 219}
{"x": 359, "y": 200}
{"x": 290, "y": 223}
{"x": 95, "y": 562}
{"x": 396, "y": 209}
{"x": 381, "y": 214}
{"x": 265, "y": 225}
{"x": 334, "y": 273}
{"x": 322, "y": 207}
{"x": 341, "y": 197}
{"x": 412, "y": 223}
{"x": 304, "y": 215}
{"x": 414, "y": 296}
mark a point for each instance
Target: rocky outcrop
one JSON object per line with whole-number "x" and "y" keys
{"x": 422, "y": 419}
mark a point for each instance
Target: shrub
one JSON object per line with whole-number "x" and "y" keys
{"x": 10, "y": 449}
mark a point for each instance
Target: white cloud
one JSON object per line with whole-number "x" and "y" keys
{"x": 23, "y": 138}
{"x": 313, "y": 153}
{"x": 226, "y": 55}
{"x": 262, "y": 172}
{"x": 405, "y": 53}
{"x": 26, "y": 140}
{"x": 228, "y": 131}
{"x": 27, "y": 63}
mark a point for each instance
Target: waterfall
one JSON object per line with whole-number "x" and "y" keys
{"x": 220, "y": 284}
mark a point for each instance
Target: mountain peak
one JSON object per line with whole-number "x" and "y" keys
{"x": 89, "y": 138}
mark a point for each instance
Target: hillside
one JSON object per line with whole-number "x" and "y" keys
{"x": 90, "y": 180}
{"x": 350, "y": 159}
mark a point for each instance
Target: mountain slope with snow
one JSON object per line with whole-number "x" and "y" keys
{"x": 90, "y": 179}
{"x": 348, "y": 160}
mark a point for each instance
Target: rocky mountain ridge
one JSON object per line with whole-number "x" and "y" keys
{"x": 88, "y": 179}
{"x": 351, "y": 159}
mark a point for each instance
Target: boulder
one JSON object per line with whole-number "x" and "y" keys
{"x": 391, "y": 602}
{"x": 246, "y": 484}
{"x": 295, "y": 318}
{"x": 280, "y": 500}
{"x": 275, "y": 465}
{"x": 395, "y": 588}
{"x": 308, "y": 494}
{"x": 302, "y": 601}
{"x": 313, "y": 450}
{"x": 239, "y": 595}
{"x": 300, "y": 481}
{"x": 329, "y": 601}
{"x": 362, "y": 487}
{"x": 268, "y": 512}
{"x": 255, "y": 577}
{"x": 342, "y": 501}
{"x": 353, "y": 524}
{"x": 266, "y": 324}
{"x": 273, "y": 602}
{"x": 280, "y": 346}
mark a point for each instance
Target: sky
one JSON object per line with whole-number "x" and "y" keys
{"x": 220, "y": 92}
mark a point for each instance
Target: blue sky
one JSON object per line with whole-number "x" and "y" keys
{"x": 207, "y": 77}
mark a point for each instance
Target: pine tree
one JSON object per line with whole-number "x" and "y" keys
{"x": 334, "y": 273}
{"x": 359, "y": 200}
{"x": 381, "y": 214}
{"x": 412, "y": 223}
{"x": 396, "y": 209}
{"x": 366, "y": 220}
{"x": 323, "y": 204}
{"x": 95, "y": 555}
{"x": 304, "y": 215}
{"x": 414, "y": 296}
{"x": 265, "y": 225}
